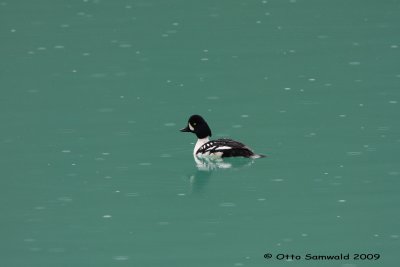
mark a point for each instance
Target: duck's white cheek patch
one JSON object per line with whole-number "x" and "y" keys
{"x": 191, "y": 127}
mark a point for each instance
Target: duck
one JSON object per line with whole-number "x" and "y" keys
{"x": 215, "y": 149}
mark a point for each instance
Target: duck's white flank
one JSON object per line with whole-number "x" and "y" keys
{"x": 199, "y": 143}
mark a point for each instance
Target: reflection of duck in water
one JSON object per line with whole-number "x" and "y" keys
{"x": 199, "y": 180}
{"x": 206, "y": 168}
{"x": 206, "y": 151}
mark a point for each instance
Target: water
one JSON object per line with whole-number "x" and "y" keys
{"x": 95, "y": 171}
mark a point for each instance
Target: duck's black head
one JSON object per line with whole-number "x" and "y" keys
{"x": 198, "y": 126}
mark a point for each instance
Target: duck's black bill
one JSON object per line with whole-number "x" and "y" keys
{"x": 186, "y": 129}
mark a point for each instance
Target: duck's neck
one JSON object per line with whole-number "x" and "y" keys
{"x": 199, "y": 143}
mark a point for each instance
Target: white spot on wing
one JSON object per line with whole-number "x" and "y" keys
{"x": 224, "y": 147}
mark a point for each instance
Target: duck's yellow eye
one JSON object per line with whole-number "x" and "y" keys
{"x": 194, "y": 124}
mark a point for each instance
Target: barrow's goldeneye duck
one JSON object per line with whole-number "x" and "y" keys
{"x": 219, "y": 148}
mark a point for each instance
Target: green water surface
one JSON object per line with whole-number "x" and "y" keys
{"x": 94, "y": 170}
